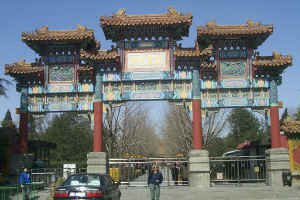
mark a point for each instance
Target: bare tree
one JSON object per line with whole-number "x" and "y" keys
{"x": 215, "y": 124}
{"x": 177, "y": 130}
{"x": 128, "y": 130}
{"x": 112, "y": 127}
{"x": 137, "y": 135}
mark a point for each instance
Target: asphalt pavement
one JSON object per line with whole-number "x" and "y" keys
{"x": 216, "y": 193}
{"x": 243, "y": 192}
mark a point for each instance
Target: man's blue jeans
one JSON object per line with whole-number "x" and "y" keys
{"x": 154, "y": 191}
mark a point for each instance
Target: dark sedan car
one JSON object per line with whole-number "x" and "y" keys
{"x": 88, "y": 186}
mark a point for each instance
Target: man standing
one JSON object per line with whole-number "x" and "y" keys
{"x": 24, "y": 181}
{"x": 154, "y": 180}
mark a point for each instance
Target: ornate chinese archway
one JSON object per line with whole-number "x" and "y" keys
{"x": 222, "y": 70}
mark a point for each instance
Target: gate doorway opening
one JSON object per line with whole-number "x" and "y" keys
{"x": 135, "y": 172}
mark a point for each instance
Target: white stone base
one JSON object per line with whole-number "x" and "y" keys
{"x": 97, "y": 162}
{"x": 199, "y": 168}
{"x": 278, "y": 161}
{"x": 296, "y": 179}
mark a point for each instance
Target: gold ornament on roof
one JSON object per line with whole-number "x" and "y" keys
{"x": 81, "y": 28}
{"x": 21, "y": 62}
{"x": 211, "y": 24}
{"x": 98, "y": 45}
{"x": 44, "y": 29}
{"x": 121, "y": 12}
{"x": 173, "y": 11}
{"x": 287, "y": 119}
{"x": 275, "y": 55}
{"x": 196, "y": 45}
{"x": 250, "y": 23}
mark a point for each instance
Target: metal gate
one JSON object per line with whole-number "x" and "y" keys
{"x": 135, "y": 172}
{"x": 50, "y": 175}
{"x": 236, "y": 170}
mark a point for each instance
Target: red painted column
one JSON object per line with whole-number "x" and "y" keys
{"x": 23, "y": 132}
{"x": 275, "y": 127}
{"x": 197, "y": 124}
{"x": 98, "y": 117}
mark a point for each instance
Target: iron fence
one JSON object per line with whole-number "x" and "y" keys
{"x": 130, "y": 172}
{"x": 135, "y": 172}
{"x": 50, "y": 175}
{"x": 16, "y": 192}
{"x": 236, "y": 170}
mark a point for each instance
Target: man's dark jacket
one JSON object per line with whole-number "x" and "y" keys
{"x": 155, "y": 178}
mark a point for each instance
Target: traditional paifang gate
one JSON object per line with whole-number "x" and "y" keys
{"x": 222, "y": 70}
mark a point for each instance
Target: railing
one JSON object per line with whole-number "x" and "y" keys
{"x": 16, "y": 192}
{"x": 135, "y": 172}
{"x": 50, "y": 175}
{"x": 130, "y": 172}
{"x": 236, "y": 170}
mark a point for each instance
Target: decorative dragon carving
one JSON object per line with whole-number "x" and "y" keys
{"x": 44, "y": 29}
{"x": 98, "y": 45}
{"x": 21, "y": 62}
{"x": 121, "y": 12}
{"x": 276, "y": 55}
{"x": 211, "y": 24}
{"x": 250, "y": 23}
{"x": 81, "y": 28}
{"x": 173, "y": 11}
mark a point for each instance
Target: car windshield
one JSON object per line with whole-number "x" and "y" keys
{"x": 83, "y": 180}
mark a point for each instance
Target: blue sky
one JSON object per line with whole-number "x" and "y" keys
{"x": 22, "y": 16}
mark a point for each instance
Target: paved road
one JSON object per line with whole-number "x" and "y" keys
{"x": 257, "y": 192}
{"x": 215, "y": 193}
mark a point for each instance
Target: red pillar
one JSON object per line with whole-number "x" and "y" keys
{"x": 197, "y": 124}
{"x": 275, "y": 127}
{"x": 98, "y": 117}
{"x": 23, "y": 132}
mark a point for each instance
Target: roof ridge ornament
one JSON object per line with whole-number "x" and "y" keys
{"x": 287, "y": 119}
{"x": 276, "y": 55}
{"x": 81, "y": 28}
{"x": 21, "y": 62}
{"x": 173, "y": 12}
{"x": 98, "y": 45}
{"x": 121, "y": 12}
{"x": 196, "y": 45}
{"x": 250, "y": 23}
{"x": 211, "y": 24}
{"x": 44, "y": 29}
